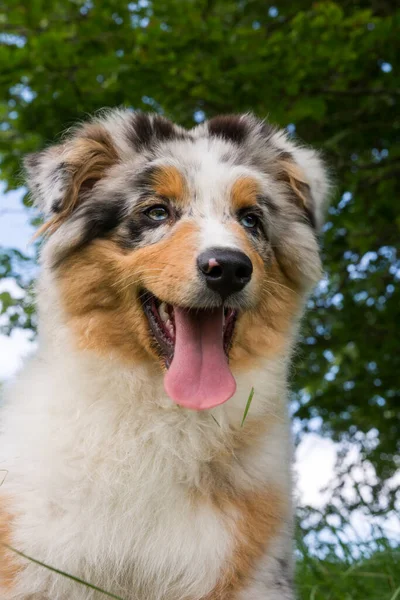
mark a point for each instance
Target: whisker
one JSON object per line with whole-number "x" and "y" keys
{"x": 129, "y": 275}
{"x": 281, "y": 285}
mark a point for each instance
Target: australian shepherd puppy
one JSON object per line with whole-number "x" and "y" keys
{"x": 174, "y": 272}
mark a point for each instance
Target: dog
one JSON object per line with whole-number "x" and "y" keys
{"x": 147, "y": 442}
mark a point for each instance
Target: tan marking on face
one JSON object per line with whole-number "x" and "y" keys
{"x": 258, "y": 517}
{"x": 87, "y": 158}
{"x": 265, "y": 330}
{"x": 169, "y": 182}
{"x": 100, "y": 286}
{"x": 9, "y": 566}
{"x": 168, "y": 269}
{"x": 244, "y": 193}
{"x": 101, "y": 304}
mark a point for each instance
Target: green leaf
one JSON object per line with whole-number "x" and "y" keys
{"x": 248, "y": 403}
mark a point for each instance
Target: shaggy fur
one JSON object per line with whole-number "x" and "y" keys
{"x": 108, "y": 478}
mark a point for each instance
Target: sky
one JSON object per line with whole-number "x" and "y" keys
{"x": 15, "y": 230}
{"x": 315, "y": 456}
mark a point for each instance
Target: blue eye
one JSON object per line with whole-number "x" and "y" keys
{"x": 158, "y": 213}
{"x": 249, "y": 221}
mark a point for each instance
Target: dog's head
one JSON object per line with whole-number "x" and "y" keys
{"x": 191, "y": 249}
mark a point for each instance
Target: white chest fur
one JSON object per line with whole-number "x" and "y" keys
{"x": 111, "y": 480}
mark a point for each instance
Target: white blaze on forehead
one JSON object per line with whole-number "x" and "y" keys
{"x": 210, "y": 178}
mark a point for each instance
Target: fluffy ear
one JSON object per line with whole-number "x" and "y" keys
{"x": 305, "y": 173}
{"x": 60, "y": 177}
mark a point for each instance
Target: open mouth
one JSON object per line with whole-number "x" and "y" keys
{"x": 161, "y": 317}
{"x": 194, "y": 345}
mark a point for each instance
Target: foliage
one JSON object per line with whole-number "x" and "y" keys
{"x": 371, "y": 577}
{"x": 16, "y": 309}
{"x": 328, "y": 70}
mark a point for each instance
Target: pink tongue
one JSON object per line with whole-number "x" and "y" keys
{"x": 199, "y": 376}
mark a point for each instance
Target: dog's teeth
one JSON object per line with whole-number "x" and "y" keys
{"x": 162, "y": 310}
{"x": 169, "y": 327}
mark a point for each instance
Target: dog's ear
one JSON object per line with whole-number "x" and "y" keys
{"x": 306, "y": 176}
{"x": 60, "y": 178}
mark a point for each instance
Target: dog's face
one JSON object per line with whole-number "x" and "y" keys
{"x": 190, "y": 249}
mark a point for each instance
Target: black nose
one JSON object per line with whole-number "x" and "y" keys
{"x": 226, "y": 271}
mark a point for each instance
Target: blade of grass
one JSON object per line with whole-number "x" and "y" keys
{"x": 313, "y": 592}
{"x": 246, "y": 410}
{"x": 72, "y": 577}
{"x": 215, "y": 420}
{"x": 396, "y": 594}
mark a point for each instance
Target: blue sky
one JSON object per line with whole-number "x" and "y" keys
{"x": 15, "y": 230}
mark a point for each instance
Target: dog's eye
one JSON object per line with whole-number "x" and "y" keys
{"x": 249, "y": 221}
{"x": 157, "y": 213}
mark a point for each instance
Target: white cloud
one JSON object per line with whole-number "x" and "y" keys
{"x": 11, "y": 286}
{"x": 15, "y": 229}
{"x": 314, "y": 468}
{"x": 13, "y": 349}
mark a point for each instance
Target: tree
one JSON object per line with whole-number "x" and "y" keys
{"x": 325, "y": 70}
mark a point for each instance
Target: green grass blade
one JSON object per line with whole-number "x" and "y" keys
{"x": 396, "y": 594}
{"x": 72, "y": 577}
{"x": 246, "y": 410}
